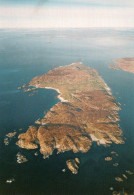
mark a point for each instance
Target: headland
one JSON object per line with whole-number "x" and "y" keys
{"x": 87, "y": 112}
{"x": 126, "y": 64}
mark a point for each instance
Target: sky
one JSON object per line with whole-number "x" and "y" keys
{"x": 66, "y": 13}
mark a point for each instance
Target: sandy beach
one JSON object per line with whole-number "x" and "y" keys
{"x": 59, "y": 96}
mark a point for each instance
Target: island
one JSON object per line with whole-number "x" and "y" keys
{"x": 126, "y": 64}
{"x": 21, "y": 158}
{"x": 73, "y": 165}
{"x": 108, "y": 158}
{"x": 87, "y": 113}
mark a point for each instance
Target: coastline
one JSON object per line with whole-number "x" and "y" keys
{"x": 59, "y": 96}
{"x": 95, "y": 139}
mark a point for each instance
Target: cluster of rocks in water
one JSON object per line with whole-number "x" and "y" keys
{"x": 10, "y": 180}
{"x": 114, "y": 153}
{"x": 26, "y": 88}
{"x": 121, "y": 180}
{"x": 124, "y": 176}
{"x": 8, "y": 137}
{"x": 116, "y": 164}
{"x": 11, "y": 134}
{"x": 6, "y": 141}
{"x": 121, "y": 193}
{"x": 109, "y": 158}
{"x": 32, "y": 90}
{"x": 21, "y": 158}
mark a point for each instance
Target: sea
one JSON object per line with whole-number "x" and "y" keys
{"x": 26, "y": 53}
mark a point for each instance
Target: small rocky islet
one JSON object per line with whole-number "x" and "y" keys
{"x": 108, "y": 158}
{"x": 73, "y": 165}
{"x": 9, "y": 181}
{"x": 21, "y": 158}
{"x": 8, "y": 137}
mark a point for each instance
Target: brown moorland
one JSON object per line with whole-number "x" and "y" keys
{"x": 126, "y": 64}
{"x": 87, "y": 112}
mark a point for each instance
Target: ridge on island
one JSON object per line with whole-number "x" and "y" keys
{"x": 87, "y": 112}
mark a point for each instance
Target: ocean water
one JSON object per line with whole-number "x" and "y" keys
{"x": 28, "y": 53}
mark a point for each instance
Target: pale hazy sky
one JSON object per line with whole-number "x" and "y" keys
{"x": 66, "y": 13}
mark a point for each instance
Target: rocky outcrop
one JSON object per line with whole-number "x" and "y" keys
{"x": 21, "y": 158}
{"x": 73, "y": 165}
{"x": 11, "y": 134}
{"x": 108, "y": 158}
{"x": 116, "y": 164}
{"x": 6, "y": 141}
{"x": 129, "y": 172}
{"x": 28, "y": 140}
{"x": 8, "y": 137}
{"x": 119, "y": 179}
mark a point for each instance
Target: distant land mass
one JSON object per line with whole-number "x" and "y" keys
{"x": 126, "y": 64}
{"x": 87, "y": 112}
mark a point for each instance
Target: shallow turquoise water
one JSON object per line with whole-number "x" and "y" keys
{"x": 25, "y": 54}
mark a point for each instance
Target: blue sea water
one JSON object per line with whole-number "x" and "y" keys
{"x": 28, "y": 53}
